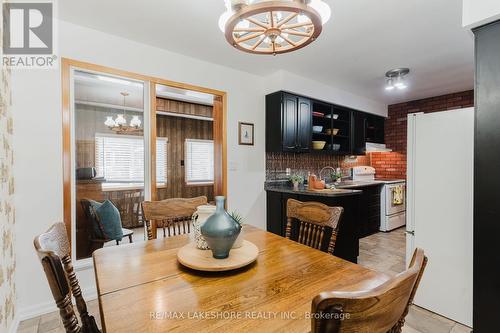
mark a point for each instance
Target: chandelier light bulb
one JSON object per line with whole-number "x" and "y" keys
{"x": 243, "y": 24}
{"x": 223, "y": 20}
{"x": 109, "y": 122}
{"x": 135, "y": 122}
{"x": 120, "y": 120}
{"x": 302, "y": 18}
{"x": 322, "y": 8}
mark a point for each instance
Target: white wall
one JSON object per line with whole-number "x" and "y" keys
{"x": 479, "y": 12}
{"x": 38, "y": 139}
{"x": 283, "y": 80}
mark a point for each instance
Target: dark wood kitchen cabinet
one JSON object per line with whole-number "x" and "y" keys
{"x": 290, "y": 119}
{"x": 347, "y": 245}
{"x": 369, "y": 215}
{"x": 288, "y": 123}
{"x": 366, "y": 128}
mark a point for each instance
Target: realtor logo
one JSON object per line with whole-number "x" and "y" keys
{"x": 28, "y": 35}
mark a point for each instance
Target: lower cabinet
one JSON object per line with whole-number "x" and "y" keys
{"x": 347, "y": 245}
{"x": 369, "y": 219}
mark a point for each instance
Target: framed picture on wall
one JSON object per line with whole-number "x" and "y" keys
{"x": 245, "y": 134}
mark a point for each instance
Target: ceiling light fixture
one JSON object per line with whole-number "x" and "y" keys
{"x": 119, "y": 125}
{"x": 273, "y": 27}
{"x": 395, "y": 79}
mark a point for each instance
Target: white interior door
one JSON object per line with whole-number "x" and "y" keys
{"x": 443, "y": 210}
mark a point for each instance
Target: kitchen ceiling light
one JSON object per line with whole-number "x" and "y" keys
{"x": 395, "y": 79}
{"x": 273, "y": 27}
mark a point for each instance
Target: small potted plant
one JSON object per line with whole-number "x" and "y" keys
{"x": 336, "y": 176}
{"x": 239, "y": 219}
{"x": 296, "y": 180}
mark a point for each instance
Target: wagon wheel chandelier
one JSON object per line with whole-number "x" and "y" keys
{"x": 273, "y": 27}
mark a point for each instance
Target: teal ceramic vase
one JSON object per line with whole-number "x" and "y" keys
{"x": 220, "y": 230}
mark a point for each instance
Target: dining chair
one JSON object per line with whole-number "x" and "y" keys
{"x": 128, "y": 203}
{"x": 92, "y": 217}
{"x": 380, "y": 310}
{"x": 174, "y": 215}
{"x": 313, "y": 224}
{"x": 53, "y": 249}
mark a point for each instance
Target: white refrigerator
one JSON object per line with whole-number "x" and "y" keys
{"x": 440, "y": 209}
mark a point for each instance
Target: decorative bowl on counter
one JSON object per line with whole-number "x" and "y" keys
{"x": 318, "y": 145}
{"x": 317, "y": 129}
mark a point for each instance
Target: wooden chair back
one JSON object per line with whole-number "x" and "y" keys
{"x": 128, "y": 203}
{"x": 53, "y": 249}
{"x": 310, "y": 223}
{"x": 380, "y": 310}
{"x": 173, "y": 214}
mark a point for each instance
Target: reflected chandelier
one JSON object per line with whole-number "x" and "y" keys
{"x": 273, "y": 27}
{"x": 119, "y": 125}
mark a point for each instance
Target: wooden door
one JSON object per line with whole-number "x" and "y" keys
{"x": 289, "y": 123}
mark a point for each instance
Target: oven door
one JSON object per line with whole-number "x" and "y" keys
{"x": 395, "y": 195}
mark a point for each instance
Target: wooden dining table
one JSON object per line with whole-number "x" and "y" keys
{"x": 142, "y": 287}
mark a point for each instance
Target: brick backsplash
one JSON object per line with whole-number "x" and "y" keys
{"x": 393, "y": 165}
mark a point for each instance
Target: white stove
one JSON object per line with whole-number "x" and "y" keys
{"x": 392, "y": 197}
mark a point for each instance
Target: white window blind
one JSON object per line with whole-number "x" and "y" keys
{"x": 120, "y": 158}
{"x": 199, "y": 164}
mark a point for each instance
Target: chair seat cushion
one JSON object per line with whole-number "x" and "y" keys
{"x": 109, "y": 223}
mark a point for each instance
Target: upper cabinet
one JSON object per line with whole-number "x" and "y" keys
{"x": 367, "y": 128}
{"x": 288, "y": 123}
{"x": 294, "y": 123}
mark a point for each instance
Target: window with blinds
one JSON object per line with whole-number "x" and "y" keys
{"x": 120, "y": 158}
{"x": 199, "y": 161}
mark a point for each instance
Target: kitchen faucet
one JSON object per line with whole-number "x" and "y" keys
{"x": 325, "y": 168}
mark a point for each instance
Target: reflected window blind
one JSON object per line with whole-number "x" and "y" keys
{"x": 120, "y": 158}
{"x": 199, "y": 161}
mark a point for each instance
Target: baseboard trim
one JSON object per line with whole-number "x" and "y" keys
{"x": 39, "y": 309}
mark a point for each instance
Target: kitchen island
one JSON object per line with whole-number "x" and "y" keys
{"x": 347, "y": 245}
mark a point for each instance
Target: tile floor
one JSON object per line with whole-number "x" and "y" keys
{"x": 384, "y": 252}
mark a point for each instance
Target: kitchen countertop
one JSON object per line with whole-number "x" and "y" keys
{"x": 346, "y": 187}
{"x": 285, "y": 187}
{"x": 355, "y": 184}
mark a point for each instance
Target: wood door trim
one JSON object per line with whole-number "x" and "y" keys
{"x": 153, "y": 136}
{"x": 220, "y": 136}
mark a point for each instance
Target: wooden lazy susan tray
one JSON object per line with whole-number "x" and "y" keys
{"x": 202, "y": 260}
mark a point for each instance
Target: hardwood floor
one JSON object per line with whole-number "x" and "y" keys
{"x": 384, "y": 252}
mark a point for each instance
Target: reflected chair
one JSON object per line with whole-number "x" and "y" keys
{"x": 313, "y": 224}
{"x": 53, "y": 249}
{"x": 173, "y": 215}
{"x": 92, "y": 217}
{"x": 128, "y": 203}
{"x": 379, "y": 310}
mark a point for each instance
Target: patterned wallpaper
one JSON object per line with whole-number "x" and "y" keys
{"x": 7, "y": 220}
